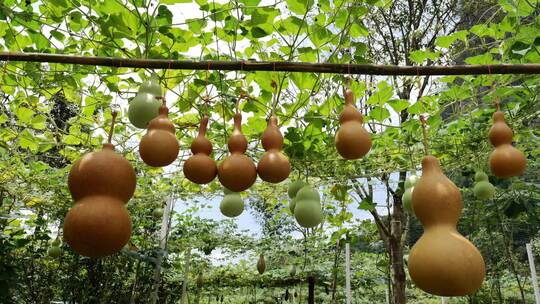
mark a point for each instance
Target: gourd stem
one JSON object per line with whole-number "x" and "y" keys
{"x": 424, "y": 134}
{"x": 113, "y": 114}
{"x": 347, "y": 82}
{"x": 206, "y": 102}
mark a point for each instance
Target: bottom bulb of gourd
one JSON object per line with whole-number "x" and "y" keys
{"x": 97, "y": 226}
{"x": 506, "y": 161}
{"x": 237, "y": 172}
{"x": 274, "y": 167}
{"x": 444, "y": 263}
{"x": 200, "y": 169}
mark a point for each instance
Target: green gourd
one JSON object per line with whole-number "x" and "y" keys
{"x": 158, "y": 212}
{"x": 480, "y": 176}
{"x": 308, "y": 211}
{"x": 151, "y": 86}
{"x": 232, "y": 205}
{"x": 142, "y": 109}
{"x": 484, "y": 190}
{"x": 54, "y": 251}
{"x": 294, "y": 187}
{"x": 292, "y": 204}
{"x": 56, "y": 243}
{"x": 407, "y": 200}
{"x": 411, "y": 181}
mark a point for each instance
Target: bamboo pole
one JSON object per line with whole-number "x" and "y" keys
{"x": 534, "y": 279}
{"x": 163, "y": 236}
{"x": 348, "y": 273}
{"x": 280, "y": 66}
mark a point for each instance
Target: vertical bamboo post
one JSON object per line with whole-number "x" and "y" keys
{"x": 443, "y": 300}
{"x": 348, "y": 272}
{"x": 163, "y": 236}
{"x": 186, "y": 276}
{"x": 534, "y": 278}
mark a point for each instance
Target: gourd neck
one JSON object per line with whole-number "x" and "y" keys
{"x": 237, "y": 142}
{"x": 108, "y": 146}
{"x": 430, "y": 165}
{"x": 203, "y": 126}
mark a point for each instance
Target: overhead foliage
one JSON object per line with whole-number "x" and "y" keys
{"x": 51, "y": 114}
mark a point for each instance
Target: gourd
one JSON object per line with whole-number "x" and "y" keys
{"x": 483, "y": 189}
{"x": 308, "y": 211}
{"x": 159, "y": 146}
{"x": 294, "y": 187}
{"x": 292, "y": 271}
{"x": 352, "y": 139}
{"x": 145, "y": 107}
{"x": 237, "y": 172}
{"x": 200, "y": 168}
{"x": 261, "y": 264}
{"x": 406, "y": 198}
{"x": 55, "y": 251}
{"x": 158, "y": 212}
{"x": 101, "y": 183}
{"x": 505, "y": 161}
{"x": 442, "y": 262}
{"x": 232, "y": 205}
{"x": 274, "y": 166}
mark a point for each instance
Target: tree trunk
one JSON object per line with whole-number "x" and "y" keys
{"x": 396, "y": 259}
{"x": 311, "y": 290}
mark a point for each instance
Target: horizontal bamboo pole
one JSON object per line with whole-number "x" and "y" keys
{"x": 280, "y": 66}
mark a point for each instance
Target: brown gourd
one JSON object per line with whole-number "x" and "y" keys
{"x": 274, "y": 166}
{"x": 352, "y": 139}
{"x": 442, "y": 262}
{"x": 237, "y": 172}
{"x": 505, "y": 161}
{"x": 261, "y": 264}
{"x": 200, "y": 168}
{"x": 101, "y": 183}
{"x": 159, "y": 146}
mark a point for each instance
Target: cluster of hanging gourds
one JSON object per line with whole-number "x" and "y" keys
{"x": 442, "y": 261}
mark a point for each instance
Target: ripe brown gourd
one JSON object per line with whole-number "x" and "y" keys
{"x": 442, "y": 262}
{"x": 200, "y": 168}
{"x": 261, "y": 264}
{"x": 97, "y": 226}
{"x": 237, "y": 172}
{"x": 505, "y": 161}
{"x": 274, "y": 166}
{"x": 101, "y": 183}
{"x": 103, "y": 172}
{"x": 352, "y": 139}
{"x": 159, "y": 146}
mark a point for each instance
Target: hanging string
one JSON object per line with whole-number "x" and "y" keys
{"x": 424, "y": 134}
{"x": 113, "y": 114}
{"x": 496, "y": 99}
{"x": 206, "y": 81}
{"x": 274, "y": 98}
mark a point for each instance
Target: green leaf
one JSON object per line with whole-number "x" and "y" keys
{"x": 379, "y": 114}
{"x": 38, "y": 122}
{"x": 398, "y": 104}
{"x": 383, "y": 94}
{"x": 367, "y": 204}
{"x": 24, "y": 114}
{"x": 358, "y": 30}
{"x": 164, "y": 16}
{"x": 421, "y": 56}
{"x": 28, "y": 141}
{"x": 299, "y": 6}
